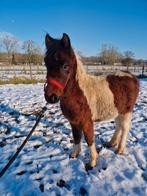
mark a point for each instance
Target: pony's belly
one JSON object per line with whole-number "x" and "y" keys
{"x": 102, "y": 114}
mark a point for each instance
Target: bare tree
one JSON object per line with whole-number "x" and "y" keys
{"x": 109, "y": 54}
{"x": 9, "y": 43}
{"x": 128, "y": 58}
{"x": 33, "y": 52}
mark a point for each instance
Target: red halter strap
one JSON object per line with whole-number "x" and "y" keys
{"x": 55, "y": 83}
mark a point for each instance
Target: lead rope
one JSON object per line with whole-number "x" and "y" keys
{"x": 25, "y": 141}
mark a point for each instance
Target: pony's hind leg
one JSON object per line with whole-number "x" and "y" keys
{"x": 89, "y": 137}
{"x": 125, "y": 126}
{"x": 77, "y": 135}
{"x": 116, "y": 137}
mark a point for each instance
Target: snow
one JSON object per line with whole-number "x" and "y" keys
{"x": 44, "y": 168}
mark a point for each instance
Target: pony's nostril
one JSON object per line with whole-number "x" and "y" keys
{"x": 52, "y": 99}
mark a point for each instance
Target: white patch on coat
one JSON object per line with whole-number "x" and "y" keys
{"x": 76, "y": 150}
{"x": 117, "y": 134}
{"x": 93, "y": 155}
{"x": 125, "y": 123}
{"x": 121, "y": 74}
{"x": 98, "y": 94}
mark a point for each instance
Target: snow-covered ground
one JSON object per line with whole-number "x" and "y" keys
{"x": 44, "y": 167}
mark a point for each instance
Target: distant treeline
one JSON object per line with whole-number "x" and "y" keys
{"x": 110, "y": 55}
{"x": 32, "y": 53}
{"x": 19, "y": 58}
{"x": 121, "y": 61}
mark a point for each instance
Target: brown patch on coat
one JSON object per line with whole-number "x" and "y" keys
{"x": 125, "y": 90}
{"x": 77, "y": 133}
{"x": 76, "y": 109}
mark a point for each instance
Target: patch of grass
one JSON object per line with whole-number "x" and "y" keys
{"x": 16, "y": 80}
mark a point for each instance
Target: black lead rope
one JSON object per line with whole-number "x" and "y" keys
{"x": 23, "y": 144}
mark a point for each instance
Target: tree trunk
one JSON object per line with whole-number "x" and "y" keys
{"x": 142, "y": 69}
{"x": 127, "y": 67}
{"x": 30, "y": 65}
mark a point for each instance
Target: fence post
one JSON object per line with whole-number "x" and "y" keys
{"x": 142, "y": 70}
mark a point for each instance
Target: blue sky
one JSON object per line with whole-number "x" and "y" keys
{"x": 89, "y": 23}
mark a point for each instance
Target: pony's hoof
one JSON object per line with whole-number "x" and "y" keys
{"x": 120, "y": 151}
{"x": 109, "y": 144}
{"x": 76, "y": 151}
{"x": 73, "y": 156}
{"x": 88, "y": 167}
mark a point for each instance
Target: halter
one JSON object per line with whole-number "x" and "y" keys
{"x": 56, "y": 83}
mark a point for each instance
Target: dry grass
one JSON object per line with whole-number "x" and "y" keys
{"x": 17, "y": 80}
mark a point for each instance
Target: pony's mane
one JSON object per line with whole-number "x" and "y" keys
{"x": 82, "y": 76}
{"x": 80, "y": 73}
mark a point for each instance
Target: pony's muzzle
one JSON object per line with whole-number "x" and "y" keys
{"x": 52, "y": 98}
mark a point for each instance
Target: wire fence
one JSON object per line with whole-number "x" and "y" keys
{"x": 39, "y": 72}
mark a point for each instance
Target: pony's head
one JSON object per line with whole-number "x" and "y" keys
{"x": 59, "y": 60}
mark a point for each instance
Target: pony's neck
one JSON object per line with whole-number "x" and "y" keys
{"x": 77, "y": 77}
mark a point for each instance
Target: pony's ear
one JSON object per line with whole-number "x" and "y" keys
{"x": 65, "y": 41}
{"x": 48, "y": 40}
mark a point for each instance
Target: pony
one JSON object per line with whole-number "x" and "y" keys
{"x": 85, "y": 98}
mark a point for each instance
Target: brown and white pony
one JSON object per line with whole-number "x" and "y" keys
{"x": 85, "y": 98}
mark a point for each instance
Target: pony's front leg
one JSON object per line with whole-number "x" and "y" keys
{"x": 89, "y": 137}
{"x": 77, "y": 135}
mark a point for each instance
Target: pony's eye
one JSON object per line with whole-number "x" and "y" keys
{"x": 65, "y": 67}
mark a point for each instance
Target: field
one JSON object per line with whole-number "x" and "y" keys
{"x": 44, "y": 166}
